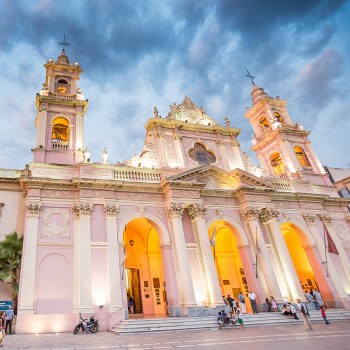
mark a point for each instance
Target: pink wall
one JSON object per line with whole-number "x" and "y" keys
{"x": 98, "y": 224}
{"x": 54, "y": 284}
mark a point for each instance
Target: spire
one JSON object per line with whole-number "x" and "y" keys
{"x": 258, "y": 94}
{"x": 62, "y": 58}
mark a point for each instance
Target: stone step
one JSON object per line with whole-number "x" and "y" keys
{"x": 155, "y": 325}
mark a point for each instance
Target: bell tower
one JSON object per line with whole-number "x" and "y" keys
{"x": 60, "y": 114}
{"x": 283, "y": 148}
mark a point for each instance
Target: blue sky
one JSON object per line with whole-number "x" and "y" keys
{"x": 140, "y": 54}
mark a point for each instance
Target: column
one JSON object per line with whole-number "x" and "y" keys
{"x": 327, "y": 220}
{"x": 27, "y": 290}
{"x": 115, "y": 293}
{"x": 333, "y": 278}
{"x": 269, "y": 216}
{"x": 175, "y": 212}
{"x": 250, "y": 216}
{"x": 83, "y": 215}
{"x": 197, "y": 213}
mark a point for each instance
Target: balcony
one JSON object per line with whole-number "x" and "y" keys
{"x": 59, "y": 146}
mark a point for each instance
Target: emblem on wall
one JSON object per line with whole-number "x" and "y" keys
{"x": 55, "y": 223}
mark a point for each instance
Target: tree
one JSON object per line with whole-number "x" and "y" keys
{"x": 10, "y": 263}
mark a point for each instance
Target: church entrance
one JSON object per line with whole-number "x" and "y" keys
{"x": 228, "y": 262}
{"x": 145, "y": 282}
{"x": 133, "y": 291}
{"x": 308, "y": 269}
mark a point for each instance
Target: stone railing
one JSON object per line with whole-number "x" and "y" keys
{"x": 66, "y": 97}
{"x": 59, "y": 146}
{"x": 138, "y": 175}
{"x": 10, "y": 173}
{"x": 302, "y": 187}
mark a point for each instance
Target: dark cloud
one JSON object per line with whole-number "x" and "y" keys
{"x": 137, "y": 54}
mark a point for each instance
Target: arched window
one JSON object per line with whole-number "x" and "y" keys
{"x": 264, "y": 123}
{"x": 199, "y": 154}
{"x": 302, "y": 158}
{"x": 60, "y": 130}
{"x": 277, "y": 163}
{"x": 278, "y": 118}
{"x": 62, "y": 81}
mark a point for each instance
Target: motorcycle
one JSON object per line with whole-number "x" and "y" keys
{"x": 86, "y": 325}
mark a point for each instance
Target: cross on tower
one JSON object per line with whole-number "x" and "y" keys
{"x": 64, "y": 43}
{"x": 249, "y": 76}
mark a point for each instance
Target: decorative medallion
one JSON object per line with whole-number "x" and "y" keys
{"x": 55, "y": 223}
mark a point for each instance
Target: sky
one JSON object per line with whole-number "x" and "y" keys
{"x": 139, "y": 54}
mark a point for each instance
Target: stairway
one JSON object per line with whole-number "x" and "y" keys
{"x": 172, "y": 324}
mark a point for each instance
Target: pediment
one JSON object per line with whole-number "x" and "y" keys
{"x": 215, "y": 178}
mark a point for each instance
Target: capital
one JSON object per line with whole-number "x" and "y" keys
{"x": 33, "y": 208}
{"x": 175, "y": 209}
{"x": 325, "y": 218}
{"x": 82, "y": 208}
{"x": 111, "y": 209}
{"x": 250, "y": 213}
{"x": 197, "y": 210}
{"x": 309, "y": 217}
{"x": 268, "y": 214}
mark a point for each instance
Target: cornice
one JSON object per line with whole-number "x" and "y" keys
{"x": 61, "y": 102}
{"x": 172, "y": 123}
{"x": 271, "y": 134}
{"x": 298, "y": 197}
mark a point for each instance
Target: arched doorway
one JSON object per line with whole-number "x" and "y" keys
{"x": 228, "y": 260}
{"x": 143, "y": 268}
{"x": 305, "y": 259}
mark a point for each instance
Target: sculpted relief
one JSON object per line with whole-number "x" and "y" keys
{"x": 56, "y": 223}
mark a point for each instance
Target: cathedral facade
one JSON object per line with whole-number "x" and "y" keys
{"x": 184, "y": 223}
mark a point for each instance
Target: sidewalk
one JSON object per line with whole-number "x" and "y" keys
{"x": 333, "y": 336}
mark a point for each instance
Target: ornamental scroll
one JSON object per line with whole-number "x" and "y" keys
{"x": 175, "y": 209}
{"x": 197, "y": 210}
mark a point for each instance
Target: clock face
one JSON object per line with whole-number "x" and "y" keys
{"x": 62, "y": 89}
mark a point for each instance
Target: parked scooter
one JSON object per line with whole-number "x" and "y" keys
{"x": 86, "y": 325}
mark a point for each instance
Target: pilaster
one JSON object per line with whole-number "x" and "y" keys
{"x": 82, "y": 246}
{"x": 115, "y": 292}
{"x": 27, "y": 289}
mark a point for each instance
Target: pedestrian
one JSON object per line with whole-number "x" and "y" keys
{"x": 234, "y": 303}
{"x": 9, "y": 318}
{"x": 252, "y": 297}
{"x": 293, "y": 312}
{"x": 239, "y": 318}
{"x": 323, "y": 314}
{"x": 273, "y": 303}
{"x": 304, "y": 312}
{"x": 242, "y": 306}
{"x": 268, "y": 304}
{"x": 230, "y": 301}
{"x": 317, "y": 295}
{"x": 2, "y": 326}
{"x": 131, "y": 304}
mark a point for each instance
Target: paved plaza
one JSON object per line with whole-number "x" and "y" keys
{"x": 287, "y": 337}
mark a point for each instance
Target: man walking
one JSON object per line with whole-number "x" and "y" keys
{"x": 9, "y": 318}
{"x": 304, "y": 312}
{"x": 252, "y": 297}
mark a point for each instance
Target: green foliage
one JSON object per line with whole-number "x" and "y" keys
{"x": 10, "y": 261}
